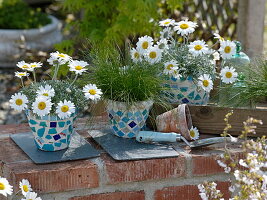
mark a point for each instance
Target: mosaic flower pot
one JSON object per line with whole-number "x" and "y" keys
{"x": 126, "y": 121}
{"x": 50, "y": 132}
{"x": 184, "y": 90}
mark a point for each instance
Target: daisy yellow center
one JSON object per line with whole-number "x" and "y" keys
{"x": 198, "y": 47}
{"x": 92, "y": 92}
{"x": 21, "y": 74}
{"x": 2, "y": 186}
{"x": 169, "y": 67}
{"x": 205, "y": 83}
{"x": 166, "y": 23}
{"x": 184, "y": 26}
{"x": 25, "y": 188}
{"x": 25, "y": 66}
{"x": 33, "y": 66}
{"x": 227, "y": 49}
{"x": 78, "y": 67}
{"x": 61, "y": 55}
{"x": 45, "y": 94}
{"x": 65, "y": 108}
{"x": 41, "y": 105}
{"x": 145, "y": 45}
{"x": 192, "y": 133}
{"x": 19, "y": 102}
{"x": 136, "y": 55}
{"x": 228, "y": 74}
{"x": 152, "y": 54}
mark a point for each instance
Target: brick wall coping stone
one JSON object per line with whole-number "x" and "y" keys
{"x": 105, "y": 178}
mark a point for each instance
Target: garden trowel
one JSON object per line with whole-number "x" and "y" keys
{"x": 151, "y": 137}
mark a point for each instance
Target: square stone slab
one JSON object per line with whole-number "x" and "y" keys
{"x": 79, "y": 149}
{"x": 129, "y": 149}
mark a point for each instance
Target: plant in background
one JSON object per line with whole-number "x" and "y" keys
{"x": 52, "y": 105}
{"x": 16, "y": 14}
{"x": 24, "y": 186}
{"x": 104, "y": 21}
{"x": 250, "y": 177}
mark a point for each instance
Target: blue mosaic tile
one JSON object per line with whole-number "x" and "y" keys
{"x": 198, "y": 97}
{"x": 48, "y": 147}
{"x": 179, "y": 96}
{"x": 33, "y": 129}
{"x": 52, "y": 131}
{"x": 120, "y": 133}
{"x": 70, "y": 128}
{"x": 68, "y": 122}
{"x": 185, "y": 100}
{"x": 115, "y": 128}
{"x": 56, "y": 137}
{"x": 121, "y": 124}
{"x": 43, "y": 124}
{"x": 41, "y": 132}
{"x": 110, "y": 116}
{"x": 130, "y": 135}
{"x": 132, "y": 124}
{"x": 144, "y": 112}
{"x": 57, "y": 144}
{"x": 53, "y": 124}
{"x": 183, "y": 89}
{"x": 61, "y": 124}
{"x": 49, "y": 137}
{"x": 33, "y": 122}
{"x": 125, "y": 119}
{"x": 119, "y": 113}
{"x": 63, "y": 141}
{"x": 191, "y": 95}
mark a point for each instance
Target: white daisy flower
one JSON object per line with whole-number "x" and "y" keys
{"x": 46, "y": 91}
{"x": 25, "y": 187}
{"x": 35, "y": 65}
{"x": 227, "y": 49}
{"x": 153, "y": 55}
{"x": 31, "y": 196}
{"x": 228, "y": 75}
{"x": 144, "y": 43}
{"x": 25, "y": 66}
{"x": 42, "y": 106}
{"x": 194, "y": 133}
{"x": 65, "y": 109}
{"x": 162, "y": 44}
{"x": 216, "y": 56}
{"x": 78, "y": 66}
{"x": 5, "y": 187}
{"x": 170, "y": 67}
{"x": 92, "y": 92}
{"x": 198, "y": 47}
{"x": 18, "y": 102}
{"x": 167, "y": 22}
{"x": 205, "y": 82}
{"x": 135, "y": 55}
{"x": 217, "y": 36}
{"x": 185, "y": 27}
{"x": 176, "y": 74}
{"x": 58, "y": 58}
{"x": 21, "y": 74}
{"x": 166, "y": 33}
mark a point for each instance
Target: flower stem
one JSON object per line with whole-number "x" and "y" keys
{"x": 74, "y": 80}
{"x": 34, "y": 76}
{"x": 55, "y": 72}
{"x": 22, "y": 82}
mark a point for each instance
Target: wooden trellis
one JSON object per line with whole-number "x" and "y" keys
{"x": 212, "y": 16}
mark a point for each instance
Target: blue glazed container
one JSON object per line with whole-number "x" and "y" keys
{"x": 184, "y": 91}
{"x": 126, "y": 121}
{"x": 50, "y": 132}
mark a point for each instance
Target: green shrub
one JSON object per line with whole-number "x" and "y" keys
{"x": 16, "y": 14}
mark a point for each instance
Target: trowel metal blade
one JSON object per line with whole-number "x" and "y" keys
{"x": 206, "y": 142}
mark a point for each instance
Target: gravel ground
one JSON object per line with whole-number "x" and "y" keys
{"x": 8, "y": 86}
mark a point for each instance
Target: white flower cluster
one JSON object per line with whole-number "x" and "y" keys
{"x": 25, "y": 188}
{"x": 213, "y": 193}
{"x": 197, "y": 48}
{"x": 43, "y": 102}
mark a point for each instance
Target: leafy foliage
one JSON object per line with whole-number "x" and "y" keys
{"x": 76, "y": 95}
{"x": 188, "y": 64}
{"x": 116, "y": 20}
{"x": 16, "y": 14}
{"x": 120, "y": 79}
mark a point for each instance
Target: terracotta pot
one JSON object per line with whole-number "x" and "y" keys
{"x": 177, "y": 120}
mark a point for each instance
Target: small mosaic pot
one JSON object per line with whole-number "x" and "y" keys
{"x": 126, "y": 121}
{"x": 50, "y": 132}
{"x": 184, "y": 90}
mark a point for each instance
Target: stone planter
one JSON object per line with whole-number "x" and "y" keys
{"x": 50, "y": 132}
{"x": 126, "y": 121}
{"x": 42, "y": 39}
{"x": 184, "y": 91}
